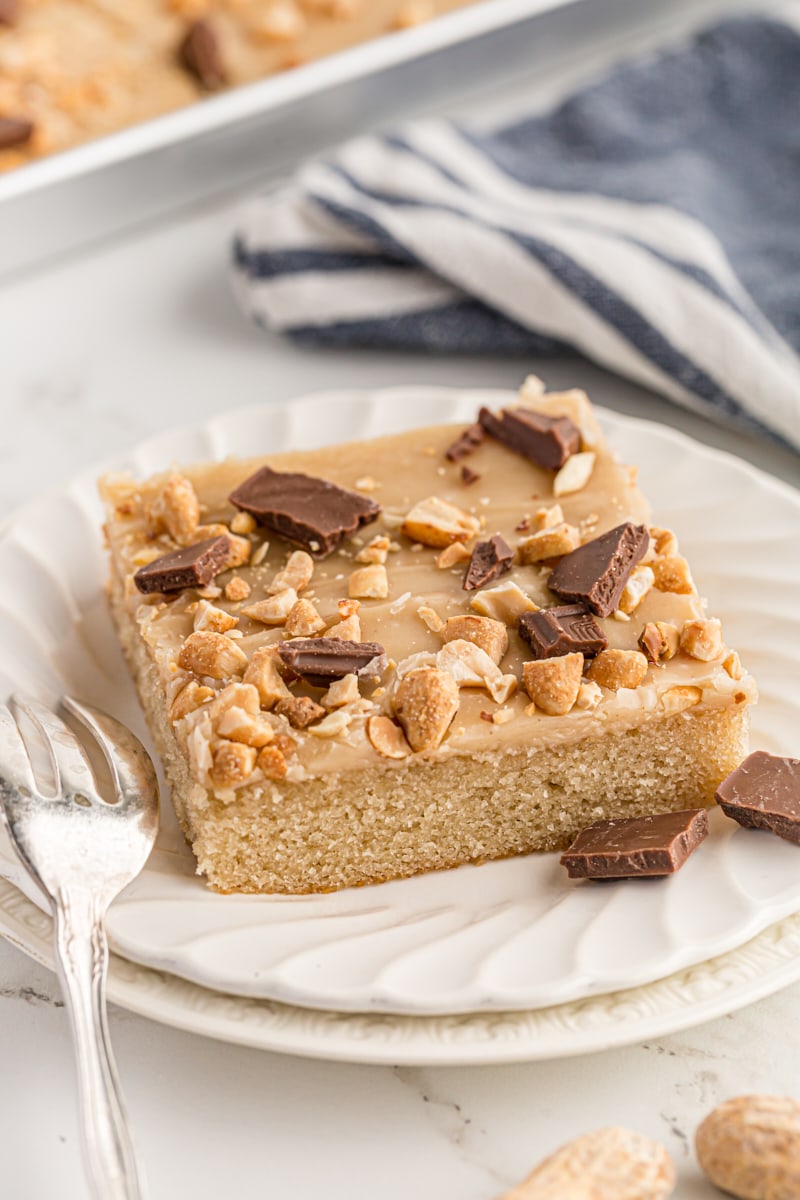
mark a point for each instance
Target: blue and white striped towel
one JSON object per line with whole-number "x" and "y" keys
{"x": 651, "y": 223}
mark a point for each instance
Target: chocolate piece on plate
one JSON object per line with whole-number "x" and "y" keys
{"x": 565, "y": 629}
{"x": 764, "y": 793}
{"x": 320, "y": 661}
{"x": 596, "y": 573}
{"x": 489, "y": 560}
{"x": 200, "y": 53}
{"x": 14, "y": 131}
{"x": 468, "y": 442}
{"x": 192, "y": 566}
{"x": 547, "y": 441}
{"x": 636, "y": 846}
{"x": 309, "y": 512}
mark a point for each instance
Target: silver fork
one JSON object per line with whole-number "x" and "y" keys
{"x": 82, "y": 849}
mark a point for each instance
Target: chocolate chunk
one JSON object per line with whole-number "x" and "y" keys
{"x": 547, "y": 441}
{"x": 596, "y": 573}
{"x": 764, "y": 793}
{"x": 9, "y": 11}
{"x": 193, "y": 566}
{"x": 201, "y": 55}
{"x": 308, "y": 512}
{"x": 489, "y": 559}
{"x": 468, "y": 442}
{"x": 567, "y": 629}
{"x": 468, "y": 475}
{"x": 322, "y": 660}
{"x": 15, "y": 131}
{"x": 636, "y": 846}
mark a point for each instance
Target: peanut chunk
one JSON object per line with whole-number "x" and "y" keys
{"x": 387, "y": 738}
{"x": 262, "y": 672}
{"x": 617, "y": 669}
{"x": 177, "y": 509}
{"x": 553, "y": 683}
{"x": 233, "y": 763}
{"x": 431, "y": 618}
{"x": 237, "y": 589}
{"x": 589, "y": 695}
{"x": 425, "y": 705}
{"x": 452, "y": 555}
{"x": 304, "y": 620}
{"x": 506, "y": 602}
{"x": 206, "y": 616}
{"x": 235, "y": 695}
{"x": 470, "y": 666}
{"x": 272, "y": 761}
{"x": 640, "y": 581}
{"x": 237, "y": 725}
{"x": 435, "y": 522}
{"x": 703, "y": 639}
{"x": 678, "y": 699}
{"x": 332, "y": 725}
{"x": 733, "y": 665}
{"x": 672, "y": 574}
{"x": 211, "y": 654}
{"x": 369, "y": 583}
{"x": 341, "y": 692}
{"x": 296, "y": 575}
{"x": 548, "y": 543}
{"x": 665, "y": 542}
{"x": 575, "y": 473}
{"x": 490, "y": 635}
{"x": 274, "y": 610}
{"x": 548, "y": 518}
{"x": 376, "y": 551}
{"x": 282, "y": 21}
{"x": 190, "y": 697}
{"x": 243, "y": 522}
{"x": 299, "y": 711}
{"x": 348, "y": 630}
{"x": 659, "y": 641}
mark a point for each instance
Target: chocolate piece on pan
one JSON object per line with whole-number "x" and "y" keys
{"x": 468, "y": 442}
{"x": 547, "y": 441}
{"x": 637, "y": 846}
{"x": 596, "y": 573}
{"x": 565, "y": 629}
{"x": 320, "y": 661}
{"x": 489, "y": 560}
{"x": 193, "y": 566}
{"x": 201, "y": 55}
{"x": 468, "y": 475}
{"x": 14, "y": 131}
{"x": 308, "y": 512}
{"x": 9, "y": 11}
{"x": 764, "y": 793}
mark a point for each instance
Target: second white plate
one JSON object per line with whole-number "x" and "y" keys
{"x": 509, "y": 935}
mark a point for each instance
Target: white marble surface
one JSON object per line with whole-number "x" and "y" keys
{"x": 100, "y": 352}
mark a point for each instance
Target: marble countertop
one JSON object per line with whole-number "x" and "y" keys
{"x": 99, "y": 352}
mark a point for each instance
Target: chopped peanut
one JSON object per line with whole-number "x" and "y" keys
{"x": 274, "y": 610}
{"x": 659, "y": 641}
{"x": 235, "y": 695}
{"x": 348, "y": 630}
{"x": 672, "y": 575}
{"x": 233, "y": 763}
{"x": 190, "y": 697}
{"x": 237, "y": 589}
{"x": 640, "y": 581}
{"x": 299, "y": 711}
{"x": 506, "y": 602}
{"x": 272, "y": 762}
{"x": 211, "y": 654}
{"x": 263, "y": 673}
{"x": 282, "y": 21}
{"x": 452, "y": 555}
{"x": 548, "y": 543}
{"x": 678, "y": 699}
{"x": 431, "y": 618}
{"x": 485, "y": 632}
{"x": 206, "y": 616}
{"x": 435, "y": 522}
{"x": 470, "y": 666}
{"x": 575, "y": 473}
{"x": 369, "y": 583}
{"x": 375, "y": 551}
{"x": 553, "y": 683}
{"x": 332, "y": 725}
{"x": 387, "y": 738}
{"x": 237, "y": 725}
{"x": 589, "y": 695}
{"x": 295, "y": 576}
{"x": 304, "y": 620}
{"x": 341, "y": 692}
{"x": 733, "y": 665}
{"x": 664, "y": 541}
{"x": 703, "y": 639}
{"x": 177, "y": 509}
{"x": 243, "y": 522}
{"x": 618, "y": 669}
{"x": 548, "y": 518}
{"x": 425, "y": 705}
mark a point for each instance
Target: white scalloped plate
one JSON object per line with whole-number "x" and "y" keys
{"x": 514, "y": 935}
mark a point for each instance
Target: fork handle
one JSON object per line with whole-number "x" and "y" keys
{"x": 82, "y": 957}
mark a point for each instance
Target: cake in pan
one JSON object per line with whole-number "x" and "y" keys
{"x": 418, "y": 651}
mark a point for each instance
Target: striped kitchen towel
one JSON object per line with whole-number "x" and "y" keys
{"x": 651, "y": 223}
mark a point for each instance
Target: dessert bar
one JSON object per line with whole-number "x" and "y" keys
{"x": 418, "y": 651}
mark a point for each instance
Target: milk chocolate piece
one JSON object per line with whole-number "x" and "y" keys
{"x": 596, "y": 573}
{"x": 320, "y": 661}
{"x": 201, "y": 55}
{"x": 547, "y": 441}
{"x": 489, "y": 560}
{"x": 308, "y": 512}
{"x": 15, "y": 131}
{"x": 468, "y": 475}
{"x": 468, "y": 442}
{"x": 636, "y": 846}
{"x": 764, "y": 793}
{"x": 192, "y": 566}
{"x": 565, "y": 629}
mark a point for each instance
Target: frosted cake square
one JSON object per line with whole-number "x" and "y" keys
{"x": 409, "y": 653}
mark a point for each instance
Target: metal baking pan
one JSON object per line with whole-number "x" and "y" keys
{"x": 258, "y": 131}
